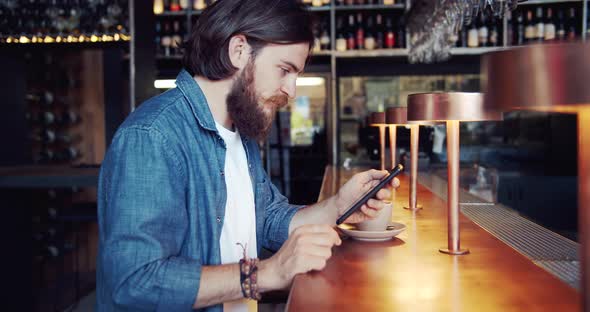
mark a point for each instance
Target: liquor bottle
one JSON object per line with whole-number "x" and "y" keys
{"x": 494, "y": 40}
{"x": 572, "y": 25}
{"x": 350, "y": 38}
{"x": 341, "y": 42}
{"x": 340, "y": 2}
{"x": 473, "y": 36}
{"x": 158, "y": 38}
{"x": 199, "y": 4}
{"x": 69, "y": 118}
{"x": 176, "y": 38}
{"x": 549, "y": 31}
{"x": 317, "y": 46}
{"x": 378, "y": 32}
{"x": 529, "y": 29}
{"x": 325, "y": 38}
{"x": 389, "y": 34}
{"x": 400, "y": 37}
{"x": 326, "y": 2}
{"x": 560, "y": 32}
{"x": 360, "y": 32}
{"x": 45, "y": 99}
{"x": 166, "y": 40}
{"x": 483, "y": 31}
{"x": 540, "y": 25}
{"x": 509, "y": 29}
{"x": 462, "y": 42}
{"x": 317, "y": 3}
{"x": 520, "y": 29}
{"x": 174, "y": 5}
{"x": 183, "y": 4}
{"x": 369, "y": 36}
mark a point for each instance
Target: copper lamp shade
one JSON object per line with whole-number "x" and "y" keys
{"x": 438, "y": 106}
{"x": 378, "y": 120}
{"x": 550, "y": 78}
{"x": 397, "y": 115}
{"x": 451, "y": 107}
{"x": 540, "y": 77}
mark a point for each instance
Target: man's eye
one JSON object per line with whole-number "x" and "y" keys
{"x": 284, "y": 71}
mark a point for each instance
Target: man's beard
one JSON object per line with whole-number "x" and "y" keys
{"x": 246, "y": 108}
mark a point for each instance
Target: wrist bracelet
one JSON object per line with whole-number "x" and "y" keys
{"x": 249, "y": 276}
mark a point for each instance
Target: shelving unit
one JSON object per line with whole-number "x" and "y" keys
{"x": 327, "y": 60}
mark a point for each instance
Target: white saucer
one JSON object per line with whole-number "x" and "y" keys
{"x": 393, "y": 229}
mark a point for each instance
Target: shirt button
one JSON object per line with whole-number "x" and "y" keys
{"x": 250, "y": 166}
{"x": 218, "y": 219}
{"x": 222, "y": 173}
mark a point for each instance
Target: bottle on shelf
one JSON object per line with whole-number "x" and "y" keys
{"x": 184, "y": 4}
{"x": 325, "y": 41}
{"x": 520, "y": 29}
{"x": 494, "y": 40}
{"x": 317, "y": 46}
{"x": 549, "y": 30}
{"x": 158, "y": 38}
{"x": 572, "y": 25}
{"x": 561, "y": 33}
{"x": 529, "y": 29}
{"x": 317, "y": 3}
{"x": 174, "y": 6}
{"x": 177, "y": 37}
{"x": 369, "y": 35}
{"x": 378, "y": 32}
{"x": 462, "y": 37}
{"x": 158, "y": 6}
{"x": 351, "y": 38}
{"x": 199, "y": 4}
{"x": 483, "y": 31}
{"x": 400, "y": 37}
{"x": 389, "y": 35}
{"x": 360, "y": 31}
{"x": 166, "y": 40}
{"x": 341, "y": 42}
{"x": 540, "y": 25}
{"x": 473, "y": 36}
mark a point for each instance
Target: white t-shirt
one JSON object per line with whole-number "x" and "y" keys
{"x": 239, "y": 225}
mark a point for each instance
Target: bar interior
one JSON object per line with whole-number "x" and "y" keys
{"x": 485, "y": 103}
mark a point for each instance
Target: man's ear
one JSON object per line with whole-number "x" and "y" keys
{"x": 239, "y": 51}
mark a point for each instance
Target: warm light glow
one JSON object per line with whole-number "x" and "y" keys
{"x": 9, "y": 40}
{"x": 165, "y": 84}
{"x": 34, "y": 39}
{"x": 310, "y": 81}
{"x": 94, "y": 38}
{"x": 24, "y": 39}
{"x": 125, "y": 37}
{"x": 48, "y": 39}
{"x": 117, "y": 37}
{"x": 58, "y": 39}
{"x": 81, "y": 39}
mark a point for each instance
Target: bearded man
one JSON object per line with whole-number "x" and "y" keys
{"x": 184, "y": 204}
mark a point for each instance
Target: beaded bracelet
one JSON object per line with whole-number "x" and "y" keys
{"x": 249, "y": 276}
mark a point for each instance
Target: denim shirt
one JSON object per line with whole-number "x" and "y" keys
{"x": 161, "y": 204}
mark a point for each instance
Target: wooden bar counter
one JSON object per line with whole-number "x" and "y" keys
{"x": 408, "y": 273}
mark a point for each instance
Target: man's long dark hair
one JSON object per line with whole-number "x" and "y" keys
{"x": 260, "y": 21}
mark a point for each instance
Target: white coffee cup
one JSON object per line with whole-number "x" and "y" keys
{"x": 380, "y": 222}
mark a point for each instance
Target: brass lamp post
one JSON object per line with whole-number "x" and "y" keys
{"x": 452, "y": 107}
{"x": 553, "y": 78}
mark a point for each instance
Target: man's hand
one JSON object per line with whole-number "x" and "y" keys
{"x": 354, "y": 188}
{"x": 308, "y": 248}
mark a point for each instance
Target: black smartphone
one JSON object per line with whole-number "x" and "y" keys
{"x": 370, "y": 193}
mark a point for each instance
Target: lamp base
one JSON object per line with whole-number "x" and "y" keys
{"x": 418, "y": 207}
{"x": 454, "y": 252}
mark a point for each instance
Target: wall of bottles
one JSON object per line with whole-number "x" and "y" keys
{"x": 63, "y": 21}
{"x": 53, "y": 109}
{"x": 544, "y": 23}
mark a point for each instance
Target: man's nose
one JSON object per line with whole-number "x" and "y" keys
{"x": 288, "y": 88}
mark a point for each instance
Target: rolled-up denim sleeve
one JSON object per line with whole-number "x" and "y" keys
{"x": 279, "y": 214}
{"x": 144, "y": 222}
